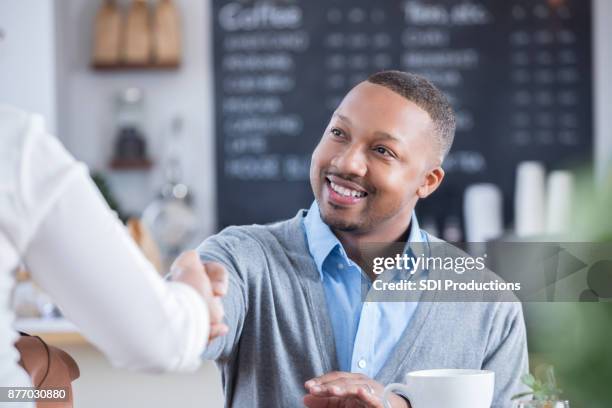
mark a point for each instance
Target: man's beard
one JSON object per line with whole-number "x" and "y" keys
{"x": 340, "y": 225}
{"x": 343, "y": 225}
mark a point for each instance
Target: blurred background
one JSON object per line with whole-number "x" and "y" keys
{"x": 194, "y": 115}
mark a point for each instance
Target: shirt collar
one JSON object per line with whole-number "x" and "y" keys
{"x": 322, "y": 241}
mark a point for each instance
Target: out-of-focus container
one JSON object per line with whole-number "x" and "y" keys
{"x": 530, "y": 199}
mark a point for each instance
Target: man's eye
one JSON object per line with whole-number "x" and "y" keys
{"x": 383, "y": 151}
{"x": 335, "y": 132}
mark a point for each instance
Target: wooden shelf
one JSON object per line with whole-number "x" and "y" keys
{"x": 135, "y": 67}
{"x": 123, "y": 164}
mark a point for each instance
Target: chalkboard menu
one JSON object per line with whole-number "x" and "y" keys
{"x": 517, "y": 72}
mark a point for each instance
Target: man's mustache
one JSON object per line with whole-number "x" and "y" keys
{"x": 353, "y": 179}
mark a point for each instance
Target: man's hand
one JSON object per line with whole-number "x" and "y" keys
{"x": 347, "y": 390}
{"x": 209, "y": 280}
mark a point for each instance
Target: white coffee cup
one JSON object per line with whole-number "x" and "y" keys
{"x": 445, "y": 388}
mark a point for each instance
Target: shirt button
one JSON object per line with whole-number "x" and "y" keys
{"x": 340, "y": 266}
{"x": 361, "y": 363}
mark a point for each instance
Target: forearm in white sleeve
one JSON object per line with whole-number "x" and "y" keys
{"x": 81, "y": 254}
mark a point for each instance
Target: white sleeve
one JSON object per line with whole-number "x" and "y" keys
{"x": 81, "y": 255}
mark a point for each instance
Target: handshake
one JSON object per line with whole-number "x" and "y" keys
{"x": 210, "y": 280}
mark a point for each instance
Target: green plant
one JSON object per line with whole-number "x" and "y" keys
{"x": 543, "y": 387}
{"x": 108, "y": 195}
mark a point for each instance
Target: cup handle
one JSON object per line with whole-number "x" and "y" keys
{"x": 392, "y": 388}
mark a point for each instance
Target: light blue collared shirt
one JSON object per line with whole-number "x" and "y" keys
{"x": 365, "y": 332}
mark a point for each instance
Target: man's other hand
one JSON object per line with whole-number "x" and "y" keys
{"x": 347, "y": 390}
{"x": 210, "y": 280}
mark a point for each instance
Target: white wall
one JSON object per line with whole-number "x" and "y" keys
{"x": 27, "y": 57}
{"x": 87, "y": 105}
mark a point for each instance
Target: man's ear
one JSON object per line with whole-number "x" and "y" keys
{"x": 432, "y": 181}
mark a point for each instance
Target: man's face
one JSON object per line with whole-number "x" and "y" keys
{"x": 368, "y": 170}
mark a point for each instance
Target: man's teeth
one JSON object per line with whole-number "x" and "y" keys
{"x": 347, "y": 192}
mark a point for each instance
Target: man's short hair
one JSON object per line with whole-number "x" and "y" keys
{"x": 426, "y": 96}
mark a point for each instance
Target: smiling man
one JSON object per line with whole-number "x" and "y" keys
{"x": 300, "y": 333}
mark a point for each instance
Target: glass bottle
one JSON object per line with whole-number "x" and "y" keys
{"x": 170, "y": 216}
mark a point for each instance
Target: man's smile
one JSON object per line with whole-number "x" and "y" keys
{"x": 343, "y": 192}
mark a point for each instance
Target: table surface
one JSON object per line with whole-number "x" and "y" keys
{"x": 58, "y": 332}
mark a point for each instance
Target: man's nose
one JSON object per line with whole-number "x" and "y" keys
{"x": 351, "y": 161}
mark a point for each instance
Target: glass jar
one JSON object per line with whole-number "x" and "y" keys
{"x": 130, "y": 141}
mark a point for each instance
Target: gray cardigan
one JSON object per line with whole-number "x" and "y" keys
{"x": 281, "y": 335}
